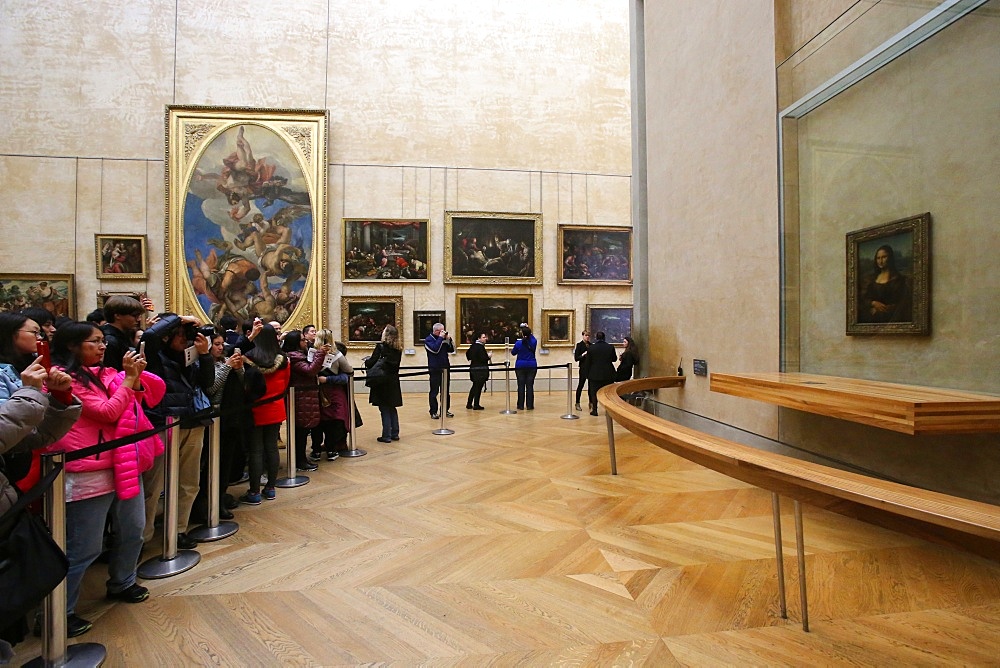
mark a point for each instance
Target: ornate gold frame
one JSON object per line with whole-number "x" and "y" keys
{"x": 599, "y": 236}
{"x": 101, "y": 239}
{"x": 453, "y": 220}
{"x": 190, "y": 131}
{"x": 345, "y": 317}
{"x": 547, "y": 315}
{"x": 459, "y": 333}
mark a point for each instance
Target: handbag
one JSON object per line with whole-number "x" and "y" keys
{"x": 31, "y": 563}
{"x": 377, "y": 374}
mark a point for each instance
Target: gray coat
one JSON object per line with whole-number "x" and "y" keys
{"x": 30, "y": 419}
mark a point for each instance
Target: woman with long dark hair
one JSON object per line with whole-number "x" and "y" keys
{"x": 886, "y": 294}
{"x": 266, "y": 357}
{"x": 108, "y": 482}
{"x": 627, "y": 360}
{"x": 305, "y": 381}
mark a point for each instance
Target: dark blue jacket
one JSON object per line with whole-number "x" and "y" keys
{"x": 181, "y": 380}
{"x": 524, "y": 350}
{"x": 437, "y": 351}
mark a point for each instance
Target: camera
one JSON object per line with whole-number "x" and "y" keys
{"x": 191, "y": 331}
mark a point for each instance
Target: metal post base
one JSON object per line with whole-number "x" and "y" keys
{"x": 443, "y": 432}
{"x": 78, "y": 655}
{"x": 157, "y": 567}
{"x": 508, "y": 411}
{"x": 207, "y": 534}
{"x": 297, "y": 481}
{"x": 569, "y": 416}
{"x": 352, "y": 453}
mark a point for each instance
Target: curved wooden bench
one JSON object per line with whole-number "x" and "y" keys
{"x": 940, "y": 518}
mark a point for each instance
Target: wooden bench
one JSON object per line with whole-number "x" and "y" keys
{"x": 936, "y": 517}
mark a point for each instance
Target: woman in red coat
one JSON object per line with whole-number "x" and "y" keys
{"x": 266, "y": 356}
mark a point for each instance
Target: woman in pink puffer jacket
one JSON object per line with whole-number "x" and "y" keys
{"x": 109, "y": 482}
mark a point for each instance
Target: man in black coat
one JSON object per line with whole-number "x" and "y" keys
{"x": 601, "y": 372}
{"x": 580, "y": 355}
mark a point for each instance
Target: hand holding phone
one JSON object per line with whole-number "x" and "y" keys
{"x": 142, "y": 349}
{"x": 44, "y": 354}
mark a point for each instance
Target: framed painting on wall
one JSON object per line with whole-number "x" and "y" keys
{"x": 121, "y": 256}
{"x": 385, "y": 250}
{"x": 363, "y": 318}
{"x": 888, "y": 278}
{"x": 492, "y": 247}
{"x": 423, "y": 321}
{"x": 246, "y": 213}
{"x": 52, "y": 292}
{"x": 499, "y": 316}
{"x": 614, "y": 321}
{"x": 103, "y": 296}
{"x": 596, "y": 255}
{"x": 557, "y": 327}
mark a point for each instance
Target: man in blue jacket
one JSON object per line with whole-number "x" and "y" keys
{"x": 438, "y": 345}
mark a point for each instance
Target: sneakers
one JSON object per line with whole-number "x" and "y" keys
{"x": 307, "y": 466}
{"x": 578, "y": 407}
{"x": 315, "y": 455}
{"x": 134, "y": 594}
{"x": 268, "y": 494}
{"x": 435, "y": 416}
{"x": 75, "y": 626}
{"x": 449, "y": 414}
{"x": 251, "y": 498}
{"x": 331, "y": 456}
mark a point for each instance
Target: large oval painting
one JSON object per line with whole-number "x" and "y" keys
{"x": 248, "y": 226}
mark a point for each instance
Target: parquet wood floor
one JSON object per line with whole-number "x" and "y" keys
{"x": 509, "y": 544}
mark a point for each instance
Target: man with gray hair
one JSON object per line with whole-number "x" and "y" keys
{"x": 438, "y": 345}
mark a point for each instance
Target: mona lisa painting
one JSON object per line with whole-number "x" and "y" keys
{"x": 888, "y": 278}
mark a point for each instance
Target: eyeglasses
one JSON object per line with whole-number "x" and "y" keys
{"x": 100, "y": 342}
{"x": 33, "y": 332}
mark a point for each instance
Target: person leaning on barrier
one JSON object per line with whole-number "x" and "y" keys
{"x": 602, "y": 368}
{"x": 334, "y": 399}
{"x": 387, "y": 395}
{"x": 187, "y": 385}
{"x": 30, "y": 418}
{"x": 108, "y": 482}
{"x": 438, "y": 345}
{"x": 479, "y": 370}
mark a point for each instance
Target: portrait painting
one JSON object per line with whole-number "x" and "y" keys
{"x": 385, "y": 250}
{"x": 498, "y": 316}
{"x": 246, "y": 228}
{"x": 614, "y": 321}
{"x": 888, "y": 278}
{"x": 597, "y": 255}
{"x": 52, "y": 292}
{"x": 492, "y": 247}
{"x": 423, "y": 321}
{"x": 363, "y": 318}
{"x": 557, "y": 327}
{"x": 121, "y": 256}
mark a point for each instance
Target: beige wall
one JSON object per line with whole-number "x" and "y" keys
{"x": 713, "y": 200}
{"x": 457, "y": 104}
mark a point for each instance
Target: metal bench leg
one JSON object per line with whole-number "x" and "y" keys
{"x": 611, "y": 444}
{"x": 801, "y": 553}
{"x": 776, "y": 513}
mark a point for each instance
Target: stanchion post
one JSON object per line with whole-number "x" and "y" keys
{"x": 443, "y": 410}
{"x": 55, "y": 651}
{"x": 352, "y": 451}
{"x": 776, "y": 515}
{"x": 293, "y": 479}
{"x": 172, "y": 561}
{"x": 214, "y": 530}
{"x": 570, "y": 415}
{"x": 506, "y": 376}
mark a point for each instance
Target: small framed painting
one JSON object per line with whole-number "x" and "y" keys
{"x": 423, "y": 321}
{"x": 364, "y": 318}
{"x": 121, "y": 256}
{"x": 557, "y": 327}
{"x": 595, "y": 255}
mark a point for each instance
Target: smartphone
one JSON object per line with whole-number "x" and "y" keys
{"x": 236, "y": 351}
{"x": 44, "y": 354}
{"x": 142, "y": 349}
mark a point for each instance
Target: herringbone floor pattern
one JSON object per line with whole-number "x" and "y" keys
{"x": 509, "y": 544}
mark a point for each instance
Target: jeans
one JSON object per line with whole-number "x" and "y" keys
{"x": 390, "y": 421}
{"x": 525, "y": 386}
{"x": 432, "y": 396}
{"x": 85, "y": 522}
{"x": 263, "y": 451}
